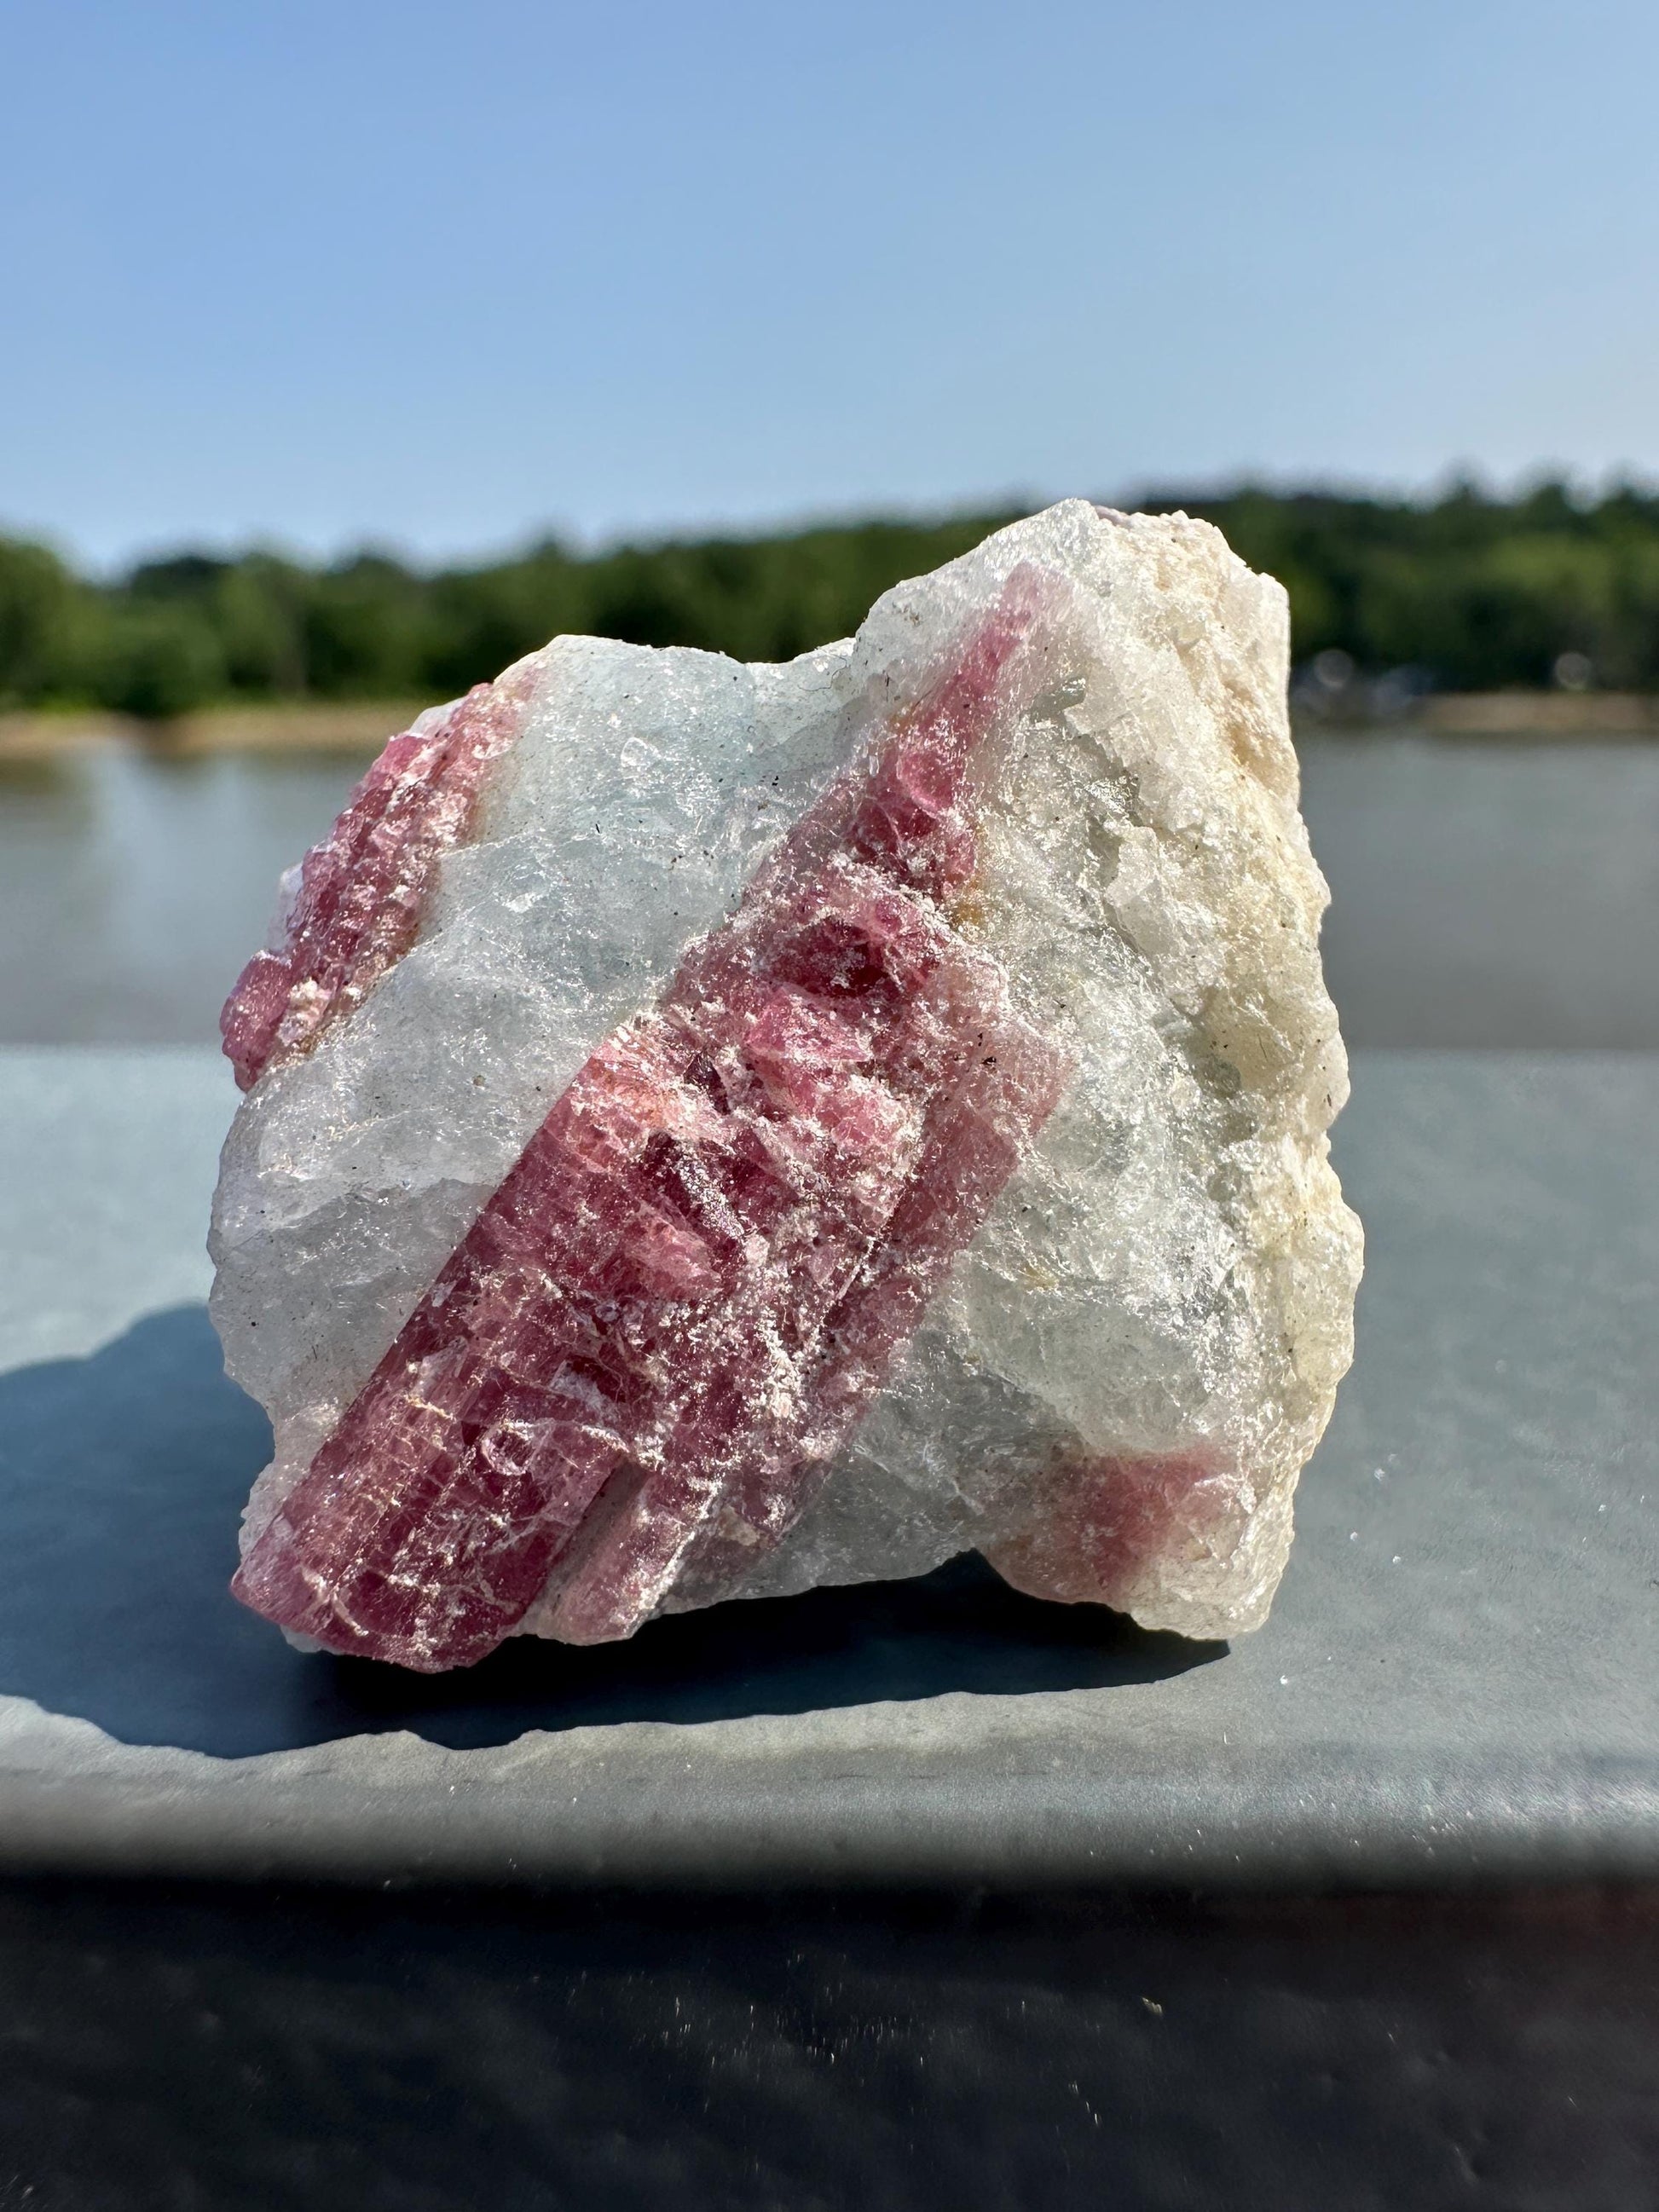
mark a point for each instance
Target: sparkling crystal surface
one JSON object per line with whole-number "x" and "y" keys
{"x": 727, "y": 1128}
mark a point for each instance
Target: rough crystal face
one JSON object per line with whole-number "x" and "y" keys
{"x": 713, "y": 1130}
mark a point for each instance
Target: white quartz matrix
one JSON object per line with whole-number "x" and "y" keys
{"x": 1161, "y": 1298}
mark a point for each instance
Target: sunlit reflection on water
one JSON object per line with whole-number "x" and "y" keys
{"x": 1484, "y": 893}
{"x": 132, "y": 890}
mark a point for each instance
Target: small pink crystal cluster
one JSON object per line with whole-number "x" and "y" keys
{"x": 647, "y": 1350}
{"x": 361, "y": 892}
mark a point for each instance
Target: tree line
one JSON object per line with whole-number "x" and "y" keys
{"x": 1470, "y": 592}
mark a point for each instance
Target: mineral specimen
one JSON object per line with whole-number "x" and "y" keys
{"x": 712, "y": 1130}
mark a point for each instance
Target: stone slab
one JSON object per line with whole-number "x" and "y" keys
{"x": 1460, "y": 1681}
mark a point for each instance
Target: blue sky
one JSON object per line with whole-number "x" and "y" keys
{"x": 442, "y": 276}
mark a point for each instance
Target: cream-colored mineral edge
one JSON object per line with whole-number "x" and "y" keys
{"x": 1173, "y": 1274}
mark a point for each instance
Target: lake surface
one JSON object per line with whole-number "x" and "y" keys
{"x": 1483, "y": 893}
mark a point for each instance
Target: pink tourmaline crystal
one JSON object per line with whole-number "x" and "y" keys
{"x": 1103, "y": 1521}
{"x": 688, "y": 1291}
{"x": 362, "y": 891}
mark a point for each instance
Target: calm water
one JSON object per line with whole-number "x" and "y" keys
{"x": 1485, "y": 894}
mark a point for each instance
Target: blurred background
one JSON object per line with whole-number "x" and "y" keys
{"x": 352, "y": 350}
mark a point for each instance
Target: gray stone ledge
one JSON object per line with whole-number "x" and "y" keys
{"x": 1460, "y": 1682}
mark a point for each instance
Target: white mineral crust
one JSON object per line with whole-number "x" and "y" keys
{"x": 1169, "y": 1278}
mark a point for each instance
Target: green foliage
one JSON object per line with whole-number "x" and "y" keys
{"x": 155, "y": 660}
{"x": 1478, "y": 592}
{"x": 1475, "y": 591}
{"x": 41, "y": 617}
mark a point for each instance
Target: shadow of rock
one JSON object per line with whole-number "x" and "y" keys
{"x": 121, "y": 1479}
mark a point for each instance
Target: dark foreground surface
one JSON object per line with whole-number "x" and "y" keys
{"x": 433, "y": 2052}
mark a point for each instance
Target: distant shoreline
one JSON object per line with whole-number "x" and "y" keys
{"x": 282, "y": 727}
{"x": 288, "y": 728}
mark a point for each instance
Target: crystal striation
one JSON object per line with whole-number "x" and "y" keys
{"x": 361, "y": 894}
{"x": 713, "y": 1129}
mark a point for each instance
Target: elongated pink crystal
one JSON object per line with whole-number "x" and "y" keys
{"x": 363, "y": 889}
{"x": 688, "y": 1290}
